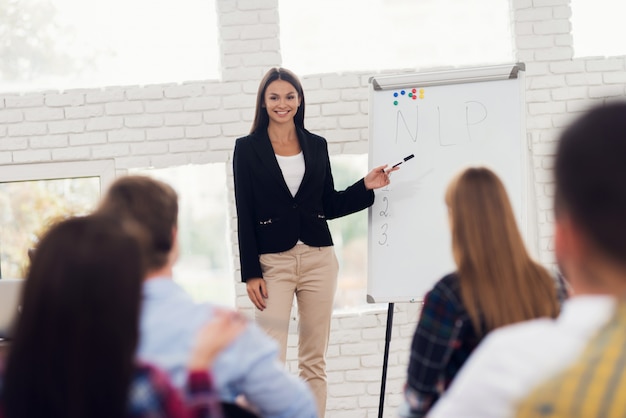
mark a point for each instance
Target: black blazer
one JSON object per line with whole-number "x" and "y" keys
{"x": 269, "y": 218}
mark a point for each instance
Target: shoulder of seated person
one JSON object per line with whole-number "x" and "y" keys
{"x": 521, "y": 332}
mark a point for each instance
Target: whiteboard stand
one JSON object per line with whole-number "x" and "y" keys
{"x": 383, "y": 381}
{"x": 448, "y": 120}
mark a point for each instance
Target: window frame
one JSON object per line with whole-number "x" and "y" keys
{"x": 103, "y": 169}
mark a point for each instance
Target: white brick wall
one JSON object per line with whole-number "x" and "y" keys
{"x": 556, "y": 92}
{"x": 197, "y": 122}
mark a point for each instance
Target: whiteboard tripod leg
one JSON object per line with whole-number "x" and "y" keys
{"x": 385, "y": 359}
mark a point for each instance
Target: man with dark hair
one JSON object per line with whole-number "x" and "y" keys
{"x": 170, "y": 319}
{"x": 590, "y": 246}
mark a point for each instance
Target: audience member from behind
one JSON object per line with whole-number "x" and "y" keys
{"x": 73, "y": 355}
{"x": 496, "y": 283}
{"x": 249, "y": 366}
{"x": 590, "y": 247}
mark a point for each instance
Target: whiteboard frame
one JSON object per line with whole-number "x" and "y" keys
{"x": 448, "y": 77}
{"x": 528, "y": 226}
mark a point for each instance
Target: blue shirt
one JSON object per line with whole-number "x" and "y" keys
{"x": 249, "y": 366}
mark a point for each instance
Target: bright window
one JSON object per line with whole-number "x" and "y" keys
{"x": 204, "y": 268}
{"x": 598, "y": 27}
{"x": 364, "y": 35}
{"x": 35, "y": 196}
{"x": 350, "y": 236}
{"x": 64, "y": 44}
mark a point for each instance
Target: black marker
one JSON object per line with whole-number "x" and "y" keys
{"x": 407, "y": 158}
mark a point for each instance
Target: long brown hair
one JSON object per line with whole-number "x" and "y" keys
{"x": 74, "y": 349}
{"x": 261, "y": 118}
{"x": 500, "y": 283}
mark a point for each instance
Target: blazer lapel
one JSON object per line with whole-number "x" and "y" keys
{"x": 264, "y": 149}
{"x": 310, "y": 158}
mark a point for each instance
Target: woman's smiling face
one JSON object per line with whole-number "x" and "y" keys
{"x": 281, "y": 101}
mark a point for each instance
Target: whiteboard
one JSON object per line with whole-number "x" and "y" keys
{"x": 449, "y": 120}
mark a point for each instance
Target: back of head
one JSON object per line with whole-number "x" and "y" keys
{"x": 590, "y": 175}
{"x": 500, "y": 284}
{"x": 76, "y": 336}
{"x": 150, "y": 203}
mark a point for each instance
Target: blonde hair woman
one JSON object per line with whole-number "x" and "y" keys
{"x": 496, "y": 283}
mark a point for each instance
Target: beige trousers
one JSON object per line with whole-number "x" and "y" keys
{"x": 309, "y": 273}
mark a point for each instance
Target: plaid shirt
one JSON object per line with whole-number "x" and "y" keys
{"x": 442, "y": 342}
{"x": 153, "y": 396}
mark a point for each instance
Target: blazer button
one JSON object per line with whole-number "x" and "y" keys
{"x": 295, "y": 206}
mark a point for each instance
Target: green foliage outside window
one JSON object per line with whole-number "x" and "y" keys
{"x": 29, "y": 208}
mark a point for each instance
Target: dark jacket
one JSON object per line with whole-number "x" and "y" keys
{"x": 442, "y": 342}
{"x": 269, "y": 219}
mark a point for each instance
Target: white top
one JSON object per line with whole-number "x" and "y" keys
{"x": 293, "y": 170}
{"x": 513, "y": 360}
